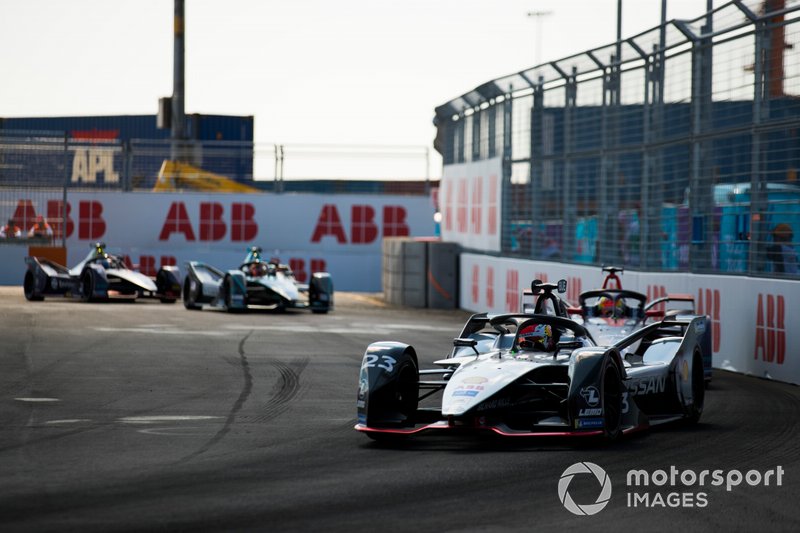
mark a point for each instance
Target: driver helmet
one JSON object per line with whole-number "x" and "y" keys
{"x": 537, "y": 337}
{"x": 607, "y": 308}
{"x": 258, "y": 269}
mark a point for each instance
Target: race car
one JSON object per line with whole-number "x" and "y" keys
{"x": 611, "y": 313}
{"x": 255, "y": 282}
{"x": 528, "y": 374}
{"x": 100, "y": 276}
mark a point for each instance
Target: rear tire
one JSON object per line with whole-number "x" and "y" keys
{"x": 87, "y": 286}
{"x": 29, "y": 286}
{"x": 190, "y": 297}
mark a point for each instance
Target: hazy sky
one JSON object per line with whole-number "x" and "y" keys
{"x": 310, "y": 71}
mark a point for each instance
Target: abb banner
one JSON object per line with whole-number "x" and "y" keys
{"x": 753, "y": 327}
{"x": 469, "y": 200}
{"x": 340, "y": 234}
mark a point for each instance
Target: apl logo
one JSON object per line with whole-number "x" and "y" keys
{"x": 586, "y": 509}
{"x": 770, "y": 331}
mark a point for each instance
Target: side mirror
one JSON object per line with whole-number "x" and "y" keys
{"x": 460, "y": 342}
{"x": 535, "y": 286}
{"x": 562, "y": 286}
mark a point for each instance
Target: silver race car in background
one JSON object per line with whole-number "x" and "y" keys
{"x": 536, "y": 374}
{"x": 255, "y": 282}
{"x": 99, "y": 276}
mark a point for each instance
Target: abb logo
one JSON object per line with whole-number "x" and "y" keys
{"x": 492, "y": 207}
{"x": 490, "y": 287}
{"x": 512, "y": 291}
{"x": 770, "y": 331}
{"x": 298, "y": 267}
{"x": 91, "y": 224}
{"x": 461, "y": 210}
{"x": 212, "y": 225}
{"x": 363, "y": 228}
{"x": 708, "y": 303}
{"x": 541, "y": 276}
{"x": 147, "y": 263}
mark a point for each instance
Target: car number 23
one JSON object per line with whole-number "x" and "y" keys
{"x": 386, "y": 362}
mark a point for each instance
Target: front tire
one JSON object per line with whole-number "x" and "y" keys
{"x": 612, "y": 401}
{"x": 695, "y": 409}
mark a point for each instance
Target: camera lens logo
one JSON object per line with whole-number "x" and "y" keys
{"x": 587, "y": 509}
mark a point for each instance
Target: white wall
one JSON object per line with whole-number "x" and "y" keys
{"x": 343, "y": 231}
{"x": 756, "y": 321}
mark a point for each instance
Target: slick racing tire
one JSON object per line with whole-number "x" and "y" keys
{"x": 694, "y": 410}
{"x": 401, "y": 399}
{"x": 29, "y": 286}
{"x": 190, "y": 296}
{"x": 161, "y": 284}
{"x": 227, "y": 288}
{"x": 612, "y": 400}
{"x": 87, "y": 286}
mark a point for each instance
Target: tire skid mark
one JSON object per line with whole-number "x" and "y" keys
{"x": 237, "y": 405}
{"x": 288, "y": 386}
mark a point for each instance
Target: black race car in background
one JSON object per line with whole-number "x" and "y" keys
{"x": 536, "y": 374}
{"x": 256, "y": 282}
{"x": 99, "y": 276}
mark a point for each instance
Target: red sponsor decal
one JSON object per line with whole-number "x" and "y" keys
{"x": 490, "y": 287}
{"x": 298, "y": 266}
{"x": 363, "y": 229}
{"x": 212, "y": 223}
{"x": 461, "y": 210}
{"x": 475, "y": 283}
{"x": 55, "y": 212}
{"x": 90, "y": 220}
{"x": 573, "y": 289}
{"x": 94, "y": 134}
{"x": 512, "y": 291}
{"x": 363, "y": 224}
{"x": 708, "y": 303}
{"x": 177, "y": 221}
{"x": 477, "y": 203}
{"x": 492, "y": 207}
{"x": 243, "y": 227}
{"x": 448, "y": 208}
{"x": 212, "y": 226}
{"x": 770, "y": 343}
{"x": 654, "y": 292}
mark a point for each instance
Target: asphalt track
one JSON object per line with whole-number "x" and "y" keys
{"x": 165, "y": 419}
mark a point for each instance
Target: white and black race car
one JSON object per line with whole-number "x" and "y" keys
{"x": 100, "y": 276}
{"x": 256, "y": 282}
{"x": 529, "y": 374}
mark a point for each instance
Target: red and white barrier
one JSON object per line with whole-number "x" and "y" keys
{"x": 341, "y": 234}
{"x": 756, "y": 327}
